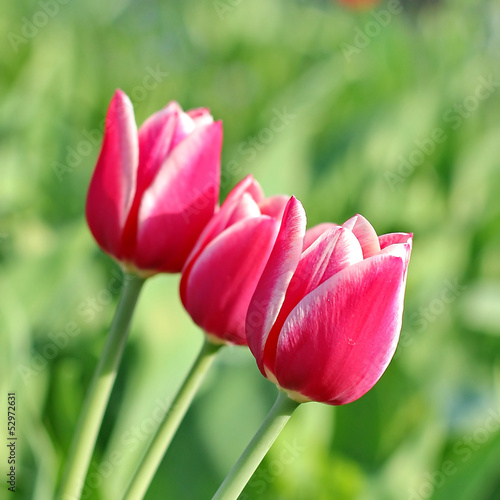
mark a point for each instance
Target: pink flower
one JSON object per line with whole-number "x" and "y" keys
{"x": 325, "y": 318}
{"x": 154, "y": 190}
{"x": 222, "y": 271}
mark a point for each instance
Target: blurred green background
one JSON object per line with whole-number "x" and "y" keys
{"x": 390, "y": 112}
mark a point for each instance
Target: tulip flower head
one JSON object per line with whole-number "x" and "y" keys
{"x": 223, "y": 269}
{"x": 154, "y": 189}
{"x": 326, "y": 315}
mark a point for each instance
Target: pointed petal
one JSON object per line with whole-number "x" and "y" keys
{"x": 185, "y": 126}
{"x": 156, "y": 137}
{"x": 161, "y": 133}
{"x": 247, "y": 185}
{"x": 200, "y": 116}
{"x": 333, "y": 251}
{"x": 338, "y": 341}
{"x": 398, "y": 244}
{"x": 222, "y": 280}
{"x": 392, "y": 238}
{"x": 180, "y": 201}
{"x": 313, "y": 233}
{"x": 270, "y": 292}
{"x": 220, "y": 220}
{"x": 244, "y": 209}
{"x": 113, "y": 183}
{"x": 274, "y": 206}
{"x": 365, "y": 233}
{"x": 336, "y": 249}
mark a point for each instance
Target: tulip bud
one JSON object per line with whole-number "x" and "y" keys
{"x": 222, "y": 271}
{"x": 154, "y": 189}
{"x": 326, "y": 315}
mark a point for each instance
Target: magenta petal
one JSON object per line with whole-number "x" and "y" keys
{"x": 365, "y": 233}
{"x": 220, "y": 220}
{"x": 156, "y": 139}
{"x": 313, "y": 233}
{"x": 246, "y": 185}
{"x": 245, "y": 209}
{"x": 271, "y": 289}
{"x": 200, "y": 116}
{"x": 274, "y": 206}
{"x": 400, "y": 248}
{"x": 113, "y": 183}
{"x": 393, "y": 238}
{"x": 222, "y": 280}
{"x": 180, "y": 201}
{"x": 338, "y": 341}
{"x": 334, "y": 250}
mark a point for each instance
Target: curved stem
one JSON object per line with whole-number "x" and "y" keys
{"x": 97, "y": 398}
{"x": 163, "y": 437}
{"x": 246, "y": 465}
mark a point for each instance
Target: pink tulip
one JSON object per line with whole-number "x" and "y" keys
{"x": 325, "y": 318}
{"x": 222, "y": 271}
{"x": 154, "y": 190}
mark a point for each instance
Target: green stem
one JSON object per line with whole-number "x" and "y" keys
{"x": 154, "y": 455}
{"x": 97, "y": 398}
{"x": 247, "y": 464}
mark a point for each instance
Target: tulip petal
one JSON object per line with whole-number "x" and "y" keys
{"x": 365, "y": 233}
{"x": 270, "y": 292}
{"x": 338, "y": 341}
{"x": 180, "y": 201}
{"x": 220, "y": 220}
{"x": 200, "y": 116}
{"x": 157, "y": 137}
{"x": 113, "y": 183}
{"x": 245, "y": 209}
{"x": 393, "y": 238}
{"x": 387, "y": 241}
{"x": 401, "y": 246}
{"x": 313, "y": 233}
{"x": 156, "y": 140}
{"x": 222, "y": 280}
{"x": 274, "y": 206}
{"x": 334, "y": 250}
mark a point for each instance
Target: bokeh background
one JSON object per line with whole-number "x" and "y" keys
{"x": 391, "y": 111}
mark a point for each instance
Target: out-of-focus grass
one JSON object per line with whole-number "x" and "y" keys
{"x": 429, "y": 429}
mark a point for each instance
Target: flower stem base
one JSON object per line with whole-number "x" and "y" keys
{"x": 247, "y": 464}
